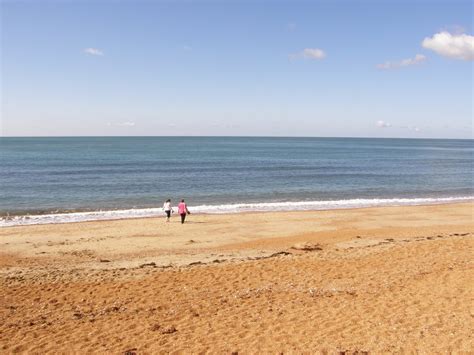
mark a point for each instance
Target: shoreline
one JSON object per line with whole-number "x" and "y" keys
{"x": 129, "y": 242}
{"x": 156, "y": 212}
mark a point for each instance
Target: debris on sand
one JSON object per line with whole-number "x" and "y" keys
{"x": 155, "y": 327}
{"x": 169, "y": 330}
{"x": 78, "y": 315}
{"x": 307, "y": 246}
{"x": 152, "y": 264}
{"x": 279, "y": 253}
{"x": 196, "y": 263}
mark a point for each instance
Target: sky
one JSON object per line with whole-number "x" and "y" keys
{"x": 237, "y": 68}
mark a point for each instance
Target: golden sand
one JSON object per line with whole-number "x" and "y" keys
{"x": 393, "y": 279}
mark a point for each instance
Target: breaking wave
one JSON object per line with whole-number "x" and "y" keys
{"x": 8, "y": 221}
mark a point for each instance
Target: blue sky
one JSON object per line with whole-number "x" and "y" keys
{"x": 273, "y": 68}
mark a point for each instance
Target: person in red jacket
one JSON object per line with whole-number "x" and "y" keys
{"x": 183, "y": 210}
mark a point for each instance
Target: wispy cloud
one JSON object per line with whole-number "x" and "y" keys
{"x": 382, "y": 124}
{"x": 411, "y": 128}
{"x": 126, "y": 124}
{"x": 291, "y": 26}
{"x": 122, "y": 124}
{"x": 456, "y": 46}
{"x": 309, "y": 53}
{"x": 93, "y": 51}
{"x": 418, "y": 59}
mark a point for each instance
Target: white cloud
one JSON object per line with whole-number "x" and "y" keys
{"x": 457, "y": 46}
{"x": 419, "y": 58}
{"x": 93, "y": 51}
{"x": 382, "y": 124}
{"x": 313, "y": 53}
{"x": 309, "y": 53}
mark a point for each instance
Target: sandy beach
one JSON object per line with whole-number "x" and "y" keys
{"x": 389, "y": 279}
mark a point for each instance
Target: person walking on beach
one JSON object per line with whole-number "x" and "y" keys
{"x": 168, "y": 209}
{"x": 183, "y": 210}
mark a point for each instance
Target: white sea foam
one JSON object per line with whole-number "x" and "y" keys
{"x": 220, "y": 209}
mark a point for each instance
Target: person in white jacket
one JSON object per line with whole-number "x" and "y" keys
{"x": 168, "y": 209}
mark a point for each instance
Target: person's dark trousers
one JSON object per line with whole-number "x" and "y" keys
{"x": 183, "y": 217}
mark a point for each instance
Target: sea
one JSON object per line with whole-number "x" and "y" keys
{"x": 72, "y": 179}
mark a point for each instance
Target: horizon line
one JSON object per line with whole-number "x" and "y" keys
{"x": 230, "y": 136}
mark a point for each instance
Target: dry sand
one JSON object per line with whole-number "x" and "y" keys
{"x": 393, "y": 279}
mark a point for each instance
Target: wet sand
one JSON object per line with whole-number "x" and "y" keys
{"x": 376, "y": 279}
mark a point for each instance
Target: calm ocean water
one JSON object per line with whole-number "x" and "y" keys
{"x": 131, "y": 176}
